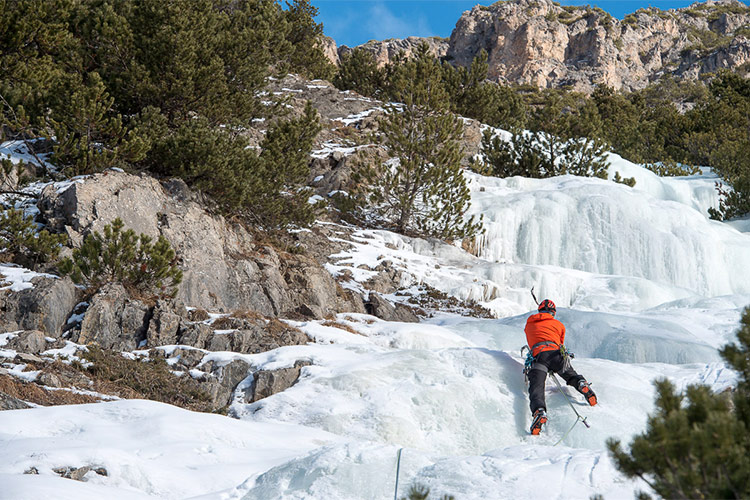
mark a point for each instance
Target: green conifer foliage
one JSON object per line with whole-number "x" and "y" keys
{"x": 305, "y": 35}
{"x": 277, "y": 188}
{"x": 521, "y": 155}
{"x": 423, "y": 191}
{"x": 89, "y": 136}
{"x": 22, "y": 242}
{"x": 166, "y": 87}
{"x": 473, "y": 96}
{"x": 528, "y": 154}
{"x": 723, "y": 122}
{"x": 628, "y": 181}
{"x": 359, "y": 71}
{"x": 266, "y": 187}
{"x": 737, "y": 355}
{"x": 697, "y": 445}
{"x": 145, "y": 268}
{"x": 585, "y": 157}
{"x": 421, "y": 492}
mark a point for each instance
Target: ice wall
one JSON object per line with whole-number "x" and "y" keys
{"x": 658, "y": 231}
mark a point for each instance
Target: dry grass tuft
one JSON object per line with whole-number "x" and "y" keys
{"x": 34, "y": 393}
{"x": 152, "y": 379}
{"x": 247, "y": 314}
{"x": 341, "y": 326}
{"x": 225, "y": 323}
{"x": 198, "y": 315}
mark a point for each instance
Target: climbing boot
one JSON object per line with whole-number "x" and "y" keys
{"x": 585, "y": 389}
{"x": 540, "y": 418}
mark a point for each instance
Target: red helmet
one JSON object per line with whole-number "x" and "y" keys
{"x": 547, "y": 306}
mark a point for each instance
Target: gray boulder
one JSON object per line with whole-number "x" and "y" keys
{"x": 79, "y": 473}
{"x": 8, "y": 402}
{"x": 44, "y": 307}
{"x": 165, "y": 323}
{"x": 30, "y": 341}
{"x": 376, "y": 305}
{"x": 224, "y": 380}
{"x": 195, "y": 335}
{"x": 114, "y": 321}
{"x": 269, "y": 382}
{"x": 254, "y": 336}
{"x": 187, "y": 359}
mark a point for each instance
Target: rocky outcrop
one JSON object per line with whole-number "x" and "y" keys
{"x": 29, "y": 342}
{"x": 114, "y": 321}
{"x": 79, "y": 473}
{"x": 254, "y": 336}
{"x": 542, "y": 43}
{"x": 376, "y": 305}
{"x": 269, "y": 382}
{"x": 385, "y": 50}
{"x": 224, "y": 379}
{"x": 8, "y": 402}
{"x": 330, "y": 50}
{"x": 164, "y": 326}
{"x": 43, "y": 307}
{"x": 224, "y": 267}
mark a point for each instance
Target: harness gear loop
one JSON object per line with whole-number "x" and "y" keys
{"x": 543, "y": 343}
{"x": 528, "y": 363}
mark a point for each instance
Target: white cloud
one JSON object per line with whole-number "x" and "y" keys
{"x": 383, "y": 23}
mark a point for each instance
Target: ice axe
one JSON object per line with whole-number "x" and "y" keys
{"x": 532, "y": 294}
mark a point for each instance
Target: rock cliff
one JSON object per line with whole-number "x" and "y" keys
{"x": 541, "y": 43}
{"x": 386, "y": 50}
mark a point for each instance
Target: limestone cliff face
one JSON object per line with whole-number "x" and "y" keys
{"x": 328, "y": 45}
{"x": 386, "y": 50}
{"x": 542, "y": 43}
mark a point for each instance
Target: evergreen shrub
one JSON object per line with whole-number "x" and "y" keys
{"x": 22, "y": 242}
{"x": 145, "y": 268}
{"x": 697, "y": 443}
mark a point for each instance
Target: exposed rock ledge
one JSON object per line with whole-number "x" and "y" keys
{"x": 225, "y": 268}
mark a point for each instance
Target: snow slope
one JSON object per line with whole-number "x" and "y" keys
{"x": 646, "y": 284}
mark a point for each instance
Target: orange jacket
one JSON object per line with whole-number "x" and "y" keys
{"x": 544, "y": 327}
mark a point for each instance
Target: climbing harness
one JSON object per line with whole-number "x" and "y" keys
{"x": 398, "y": 469}
{"x": 528, "y": 361}
{"x": 527, "y": 366}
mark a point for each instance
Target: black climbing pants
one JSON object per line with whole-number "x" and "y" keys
{"x": 554, "y": 362}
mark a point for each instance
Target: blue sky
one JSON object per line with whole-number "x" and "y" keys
{"x": 353, "y": 22}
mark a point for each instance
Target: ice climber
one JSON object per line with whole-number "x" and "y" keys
{"x": 546, "y": 338}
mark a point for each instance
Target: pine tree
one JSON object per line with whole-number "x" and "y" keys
{"x": 278, "y": 193}
{"x": 697, "y": 445}
{"x": 305, "y": 35}
{"x": 89, "y": 135}
{"x": 521, "y": 155}
{"x": 423, "y": 191}
{"x": 145, "y": 268}
{"x": 585, "y": 157}
{"x": 359, "y": 71}
{"x": 420, "y": 492}
{"x": 22, "y": 242}
{"x": 473, "y": 96}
